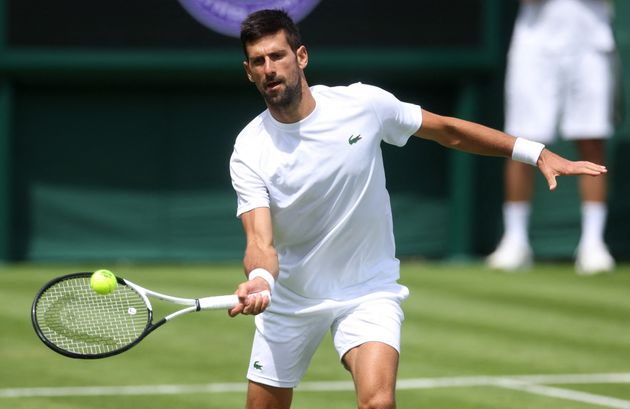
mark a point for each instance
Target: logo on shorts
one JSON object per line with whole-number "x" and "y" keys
{"x": 257, "y": 366}
{"x": 354, "y": 139}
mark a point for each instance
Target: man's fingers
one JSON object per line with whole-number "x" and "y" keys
{"x": 595, "y": 170}
{"x": 233, "y": 312}
{"x": 256, "y": 303}
{"x": 587, "y": 168}
{"x": 251, "y": 304}
{"x": 551, "y": 181}
{"x": 554, "y": 166}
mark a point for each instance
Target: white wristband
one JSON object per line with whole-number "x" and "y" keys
{"x": 264, "y": 274}
{"x": 527, "y": 151}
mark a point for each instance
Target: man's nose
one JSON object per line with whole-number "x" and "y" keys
{"x": 270, "y": 67}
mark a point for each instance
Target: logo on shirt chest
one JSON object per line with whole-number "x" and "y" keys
{"x": 354, "y": 139}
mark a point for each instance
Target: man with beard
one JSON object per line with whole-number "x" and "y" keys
{"x": 310, "y": 183}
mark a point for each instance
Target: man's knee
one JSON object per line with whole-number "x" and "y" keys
{"x": 379, "y": 400}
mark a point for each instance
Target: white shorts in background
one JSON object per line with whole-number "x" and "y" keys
{"x": 567, "y": 94}
{"x": 285, "y": 343}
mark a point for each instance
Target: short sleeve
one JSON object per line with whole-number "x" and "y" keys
{"x": 251, "y": 191}
{"x": 399, "y": 119}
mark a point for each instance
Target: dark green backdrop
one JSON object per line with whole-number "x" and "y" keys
{"x": 116, "y": 129}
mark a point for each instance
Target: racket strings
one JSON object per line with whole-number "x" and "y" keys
{"x": 76, "y": 319}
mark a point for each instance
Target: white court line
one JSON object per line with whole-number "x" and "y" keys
{"x": 525, "y": 383}
{"x": 122, "y": 390}
{"x": 584, "y": 397}
{"x": 468, "y": 381}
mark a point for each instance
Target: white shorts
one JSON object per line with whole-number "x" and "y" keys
{"x": 569, "y": 94}
{"x": 285, "y": 343}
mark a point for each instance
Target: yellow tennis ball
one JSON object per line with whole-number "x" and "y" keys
{"x": 103, "y": 281}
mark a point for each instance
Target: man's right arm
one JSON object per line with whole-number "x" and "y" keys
{"x": 260, "y": 252}
{"x": 260, "y": 255}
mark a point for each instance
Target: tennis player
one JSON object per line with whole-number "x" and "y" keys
{"x": 310, "y": 183}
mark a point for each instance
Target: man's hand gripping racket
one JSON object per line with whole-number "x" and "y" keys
{"x": 254, "y": 295}
{"x": 75, "y": 321}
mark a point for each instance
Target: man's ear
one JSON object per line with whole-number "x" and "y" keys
{"x": 302, "y": 56}
{"x": 247, "y": 71}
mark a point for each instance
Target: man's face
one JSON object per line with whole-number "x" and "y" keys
{"x": 276, "y": 69}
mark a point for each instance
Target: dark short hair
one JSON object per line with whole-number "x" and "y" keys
{"x": 267, "y": 22}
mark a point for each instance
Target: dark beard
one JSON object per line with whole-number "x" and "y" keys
{"x": 291, "y": 96}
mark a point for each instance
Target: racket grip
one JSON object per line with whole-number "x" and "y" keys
{"x": 218, "y": 302}
{"x": 224, "y": 301}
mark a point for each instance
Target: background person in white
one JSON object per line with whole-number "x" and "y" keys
{"x": 560, "y": 77}
{"x": 311, "y": 193}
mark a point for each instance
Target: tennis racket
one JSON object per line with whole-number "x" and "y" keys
{"x": 75, "y": 321}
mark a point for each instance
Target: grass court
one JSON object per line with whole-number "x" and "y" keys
{"x": 472, "y": 338}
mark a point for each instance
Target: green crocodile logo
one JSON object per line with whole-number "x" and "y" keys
{"x": 257, "y": 365}
{"x": 354, "y": 139}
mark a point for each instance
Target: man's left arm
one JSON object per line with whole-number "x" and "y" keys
{"x": 478, "y": 139}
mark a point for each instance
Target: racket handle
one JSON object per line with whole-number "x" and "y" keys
{"x": 223, "y": 301}
{"x": 218, "y": 302}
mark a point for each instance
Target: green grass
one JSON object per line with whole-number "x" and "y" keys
{"x": 461, "y": 320}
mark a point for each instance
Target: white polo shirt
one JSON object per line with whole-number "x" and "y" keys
{"x": 324, "y": 182}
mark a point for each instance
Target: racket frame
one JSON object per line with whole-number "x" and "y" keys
{"x": 194, "y": 305}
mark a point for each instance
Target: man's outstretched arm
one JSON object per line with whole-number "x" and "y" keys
{"x": 478, "y": 139}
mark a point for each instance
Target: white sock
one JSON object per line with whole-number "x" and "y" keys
{"x": 516, "y": 222}
{"x": 593, "y": 223}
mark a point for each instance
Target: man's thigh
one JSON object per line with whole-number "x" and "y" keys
{"x": 283, "y": 347}
{"x": 261, "y": 396}
{"x": 373, "y": 366}
{"x": 377, "y": 320}
{"x": 532, "y": 95}
{"x": 588, "y": 110}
